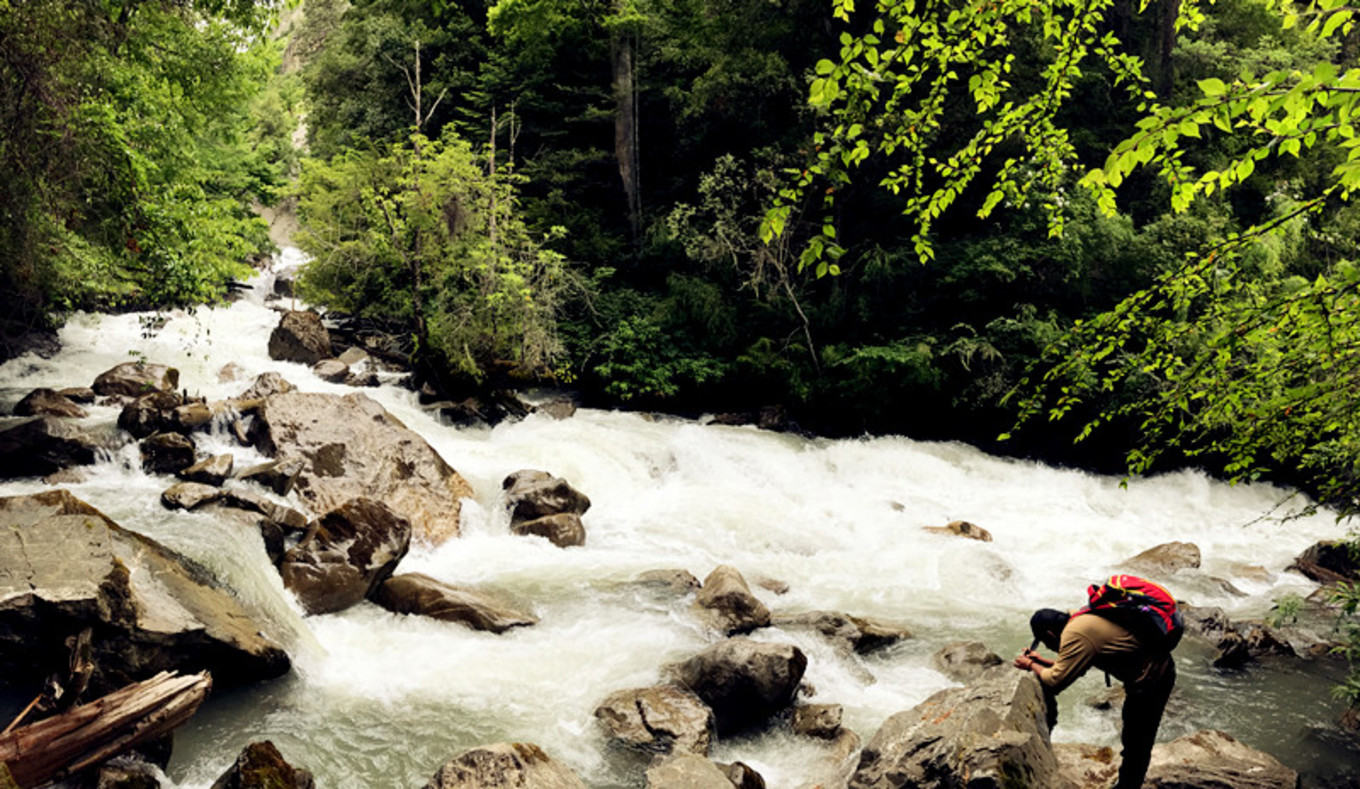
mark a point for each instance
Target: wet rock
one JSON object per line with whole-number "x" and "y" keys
{"x": 1209, "y": 622}
{"x": 332, "y": 370}
{"x": 491, "y": 408}
{"x": 277, "y": 475}
{"x": 725, "y": 603}
{"x": 44, "y": 445}
{"x": 64, "y": 566}
{"x": 658, "y": 719}
{"x": 134, "y": 379}
{"x": 266, "y": 385}
{"x": 858, "y": 634}
{"x": 678, "y": 581}
{"x": 288, "y": 518}
{"x": 47, "y": 402}
{"x": 988, "y": 733}
{"x": 261, "y": 766}
{"x": 351, "y": 550}
{"x": 744, "y": 682}
{"x": 67, "y": 476}
{"x": 1165, "y": 559}
{"x": 352, "y": 355}
{"x": 532, "y": 494}
{"x": 558, "y": 408}
{"x": 1211, "y": 759}
{"x": 194, "y": 416}
{"x": 1087, "y": 766}
{"x": 166, "y": 453}
{"x": 817, "y": 720}
{"x": 964, "y": 661}
{"x": 742, "y": 775}
{"x": 300, "y": 337}
{"x": 962, "y": 529}
{"x": 1247, "y": 642}
{"x": 687, "y": 771}
{"x": 505, "y": 766}
{"x": 564, "y": 529}
{"x": 1328, "y": 562}
{"x": 189, "y": 495}
{"x": 416, "y": 593}
{"x": 78, "y": 394}
{"x": 150, "y": 414}
{"x": 210, "y": 471}
{"x": 367, "y": 379}
{"x": 123, "y": 773}
{"x": 352, "y": 447}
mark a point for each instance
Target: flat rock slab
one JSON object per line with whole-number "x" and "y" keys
{"x": 65, "y": 566}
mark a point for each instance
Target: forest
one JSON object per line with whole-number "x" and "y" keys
{"x": 1102, "y": 233}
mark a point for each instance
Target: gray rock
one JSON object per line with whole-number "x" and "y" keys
{"x": 744, "y": 682}
{"x": 166, "y": 453}
{"x": 78, "y": 394}
{"x": 189, "y": 495}
{"x": 332, "y": 370}
{"x": 858, "y": 634}
{"x": 1165, "y": 559}
{"x": 300, "y": 337}
{"x": 65, "y": 566}
{"x": 265, "y": 385}
{"x": 1211, "y": 759}
{"x": 150, "y": 414}
{"x": 990, "y": 733}
{"x": 44, "y": 445}
{"x": 134, "y": 379}
{"x": 352, "y": 355}
{"x": 47, "y": 402}
{"x": 678, "y": 581}
{"x": 416, "y": 593}
{"x": 564, "y": 529}
{"x": 687, "y": 771}
{"x": 658, "y": 719}
{"x": 742, "y": 775}
{"x": 1328, "y": 562}
{"x": 507, "y": 765}
{"x": 277, "y": 475}
{"x": 725, "y": 603}
{"x": 532, "y": 494}
{"x": 964, "y": 661}
{"x": 352, "y": 447}
{"x": 210, "y": 471}
{"x": 817, "y": 720}
{"x": 349, "y": 552}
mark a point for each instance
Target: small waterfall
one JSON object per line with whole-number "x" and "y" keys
{"x": 381, "y": 700}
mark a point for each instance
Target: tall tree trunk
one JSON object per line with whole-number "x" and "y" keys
{"x": 1166, "y": 45}
{"x": 625, "y": 124}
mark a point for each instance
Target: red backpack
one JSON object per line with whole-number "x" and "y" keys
{"x": 1140, "y": 606}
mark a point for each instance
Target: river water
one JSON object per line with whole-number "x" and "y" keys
{"x": 381, "y": 700}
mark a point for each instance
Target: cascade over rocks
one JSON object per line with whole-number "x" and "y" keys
{"x": 261, "y": 766}
{"x": 349, "y": 551}
{"x": 352, "y": 447}
{"x": 44, "y": 445}
{"x": 658, "y": 719}
{"x": 725, "y": 603}
{"x": 300, "y": 337}
{"x": 47, "y": 402}
{"x": 990, "y": 733}
{"x": 744, "y": 682}
{"x": 858, "y": 634}
{"x": 416, "y": 593}
{"x": 65, "y": 566}
{"x": 134, "y": 379}
{"x": 506, "y": 765}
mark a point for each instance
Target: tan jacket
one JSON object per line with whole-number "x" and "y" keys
{"x": 1090, "y": 640}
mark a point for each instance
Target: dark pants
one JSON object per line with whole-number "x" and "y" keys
{"x": 1144, "y": 702}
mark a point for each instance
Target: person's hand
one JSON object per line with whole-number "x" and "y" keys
{"x": 1025, "y": 661}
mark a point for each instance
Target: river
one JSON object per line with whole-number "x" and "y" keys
{"x": 381, "y": 700}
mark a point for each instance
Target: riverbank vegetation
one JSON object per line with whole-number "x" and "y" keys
{"x": 928, "y": 218}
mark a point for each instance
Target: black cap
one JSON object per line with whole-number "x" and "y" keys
{"x": 1046, "y": 624}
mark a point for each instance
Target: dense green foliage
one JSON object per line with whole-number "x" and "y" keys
{"x": 127, "y": 164}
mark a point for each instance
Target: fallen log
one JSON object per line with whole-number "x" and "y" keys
{"x": 92, "y": 733}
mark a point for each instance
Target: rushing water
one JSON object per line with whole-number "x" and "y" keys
{"x": 381, "y": 700}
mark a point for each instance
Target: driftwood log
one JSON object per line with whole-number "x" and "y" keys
{"x": 93, "y": 733}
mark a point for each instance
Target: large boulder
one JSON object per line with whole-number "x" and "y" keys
{"x": 990, "y": 733}
{"x": 64, "y": 566}
{"x": 531, "y": 494}
{"x": 846, "y": 632}
{"x": 261, "y": 766}
{"x": 658, "y": 719}
{"x": 688, "y": 771}
{"x": 1162, "y": 560}
{"x": 44, "y": 445}
{"x": 167, "y": 453}
{"x": 416, "y": 593}
{"x": 744, "y": 682}
{"x": 300, "y": 337}
{"x": 47, "y": 402}
{"x": 149, "y": 414}
{"x": 352, "y": 447}
{"x": 266, "y": 384}
{"x": 964, "y": 661}
{"x": 725, "y": 603}
{"x": 1328, "y": 562}
{"x": 349, "y": 552}
{"x": 506, "y": 765}
{"x": 1210, "y": 759}
{"x": 563, "y": 529}
{"x": 134, "y": 379}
